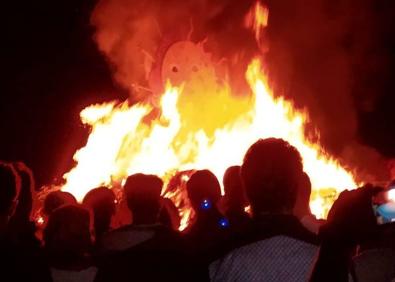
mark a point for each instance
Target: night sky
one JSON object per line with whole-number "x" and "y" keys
{"x": 52, "y": 69}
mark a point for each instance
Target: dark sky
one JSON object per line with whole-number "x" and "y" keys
{"x": 51, "y": 69}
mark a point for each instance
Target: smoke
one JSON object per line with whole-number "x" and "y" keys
{"x": 134, "y": 34}
{"x": 315, "y": 49}
{"x": 319, "y": 57}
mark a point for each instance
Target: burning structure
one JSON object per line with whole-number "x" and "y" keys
{"x": 200, "y": 106}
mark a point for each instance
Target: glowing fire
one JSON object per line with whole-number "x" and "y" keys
{"x": 122, "y": 143}
{"x": 200, "y": 124}
{"x": 391, "y": 195}
{"x": 257, "y": 19}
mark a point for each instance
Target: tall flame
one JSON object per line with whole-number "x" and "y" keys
{"x": 257, "y": 19}
{"x": 123, "y": 142}
{"x": 200, "y": 124}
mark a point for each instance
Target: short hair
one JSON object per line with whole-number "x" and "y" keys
{"x": 102, "y": 202}
{"x": 143, "y": 193}
{"x": 203, "y": 185}
{"x": 55, "y": 199}
{"x": 233, "y": 187}
{"x": 100, "y": 198}
{"x": 232, "y": 176}
{"x": 68, "y": 233}
{"x": 9, "y": 188}
{"x": 270, "y": 174}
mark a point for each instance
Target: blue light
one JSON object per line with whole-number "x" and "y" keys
{"x": 206, "y": 204}
{"x": 224, "y": 223}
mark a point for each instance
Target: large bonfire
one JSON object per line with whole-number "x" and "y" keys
{"x": 198, "y": 122}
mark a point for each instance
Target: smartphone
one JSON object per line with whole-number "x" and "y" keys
{"x": 385, "y": 208}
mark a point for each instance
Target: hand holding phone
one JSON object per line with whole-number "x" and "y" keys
{"x": 385, "y": 207}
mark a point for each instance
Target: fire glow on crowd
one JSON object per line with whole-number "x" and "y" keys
{"x": 198, "y": 122}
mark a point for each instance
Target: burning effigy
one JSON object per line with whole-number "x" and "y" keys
{"x": 197, "y": 112}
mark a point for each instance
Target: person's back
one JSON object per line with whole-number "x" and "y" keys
{"x": 235, "y": 200}
{"x": 144, "y": 250}
{"x": 272, "y": 252}
{"x": 376, "y": 258}
{"x": 142, "y": 253}
{"x": 9, "y": 189}
{"x": 18, "y": 263}
{"x": 208, "y": 232}
{"x": 22, "y": 227}
{"x": 68, "y": 244}
{"x": 276, "y": 247}
{"x": 101, "y": 201}
{"x": 375, "y": 265}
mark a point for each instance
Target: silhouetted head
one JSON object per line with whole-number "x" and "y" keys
{"x": 234, "y": 191}
{"x": 142, "y": 194}
{"x": 270, "y": 174}
{"x": 27, "y": 195}
{"x": 68, "y": 233}
{"x": 302, "y": 204}
{"x": 202, "y": 187}
{"x": 169, "y": 215}
{"x": 102, "y": 203}
{"x": 9, "y": 190}
{"x": 56, "y": 199}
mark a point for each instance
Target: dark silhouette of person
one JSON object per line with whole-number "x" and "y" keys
{"x": 375, "y": 265}
{"x": 56, "y": 199}
{"x": 207, "y": 235}
{"x": 353, "y": 244}
{"x": 101, "y": 201}
{"x": 302, "y": 205}
{"x": 68, "y": 244}
{"x": 204, "y": 194}
{"x": 351, "y": 222}
{"x": 10, "y": 185}
{"x": 52, "y": 201}
{"x": 376, "y": 255}
{"x": 21, "y": 217}
{"x": 22, "y": 227}
{"x": 235, "y": 199}
{"x": 277, "y": 247}
{"x": 169, "y": 215}
{"x": 18, "y": 263}
{"x": 144, "y": 250}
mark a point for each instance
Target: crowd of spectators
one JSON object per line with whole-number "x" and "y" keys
{"x": 262, "y": 229}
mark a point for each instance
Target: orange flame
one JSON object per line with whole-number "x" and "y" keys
{"x": 257, "y": 19}
{"x": 121, "y": 142}
{"x": 201, "y": 125}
